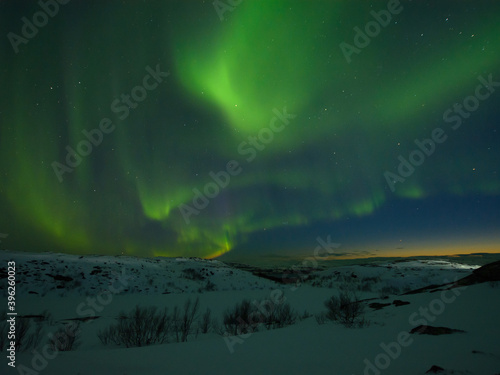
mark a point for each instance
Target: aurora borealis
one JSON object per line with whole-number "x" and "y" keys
{"x": 218, "y": 106}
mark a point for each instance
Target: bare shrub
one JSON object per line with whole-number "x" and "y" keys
{"x": 349, "y": 285}
{"x": 305, "y": 315}
{"x": 281, "y": 316}
{"x": 182, "y": 321}
{"x": 142, "y": 326}
{"x": 65, "y": 339}
{"x": 246, "y": 317}
{"x": 188, "y": 317}
{"x": 45, "y": 316}
{"x": 320, "y": 318}
{"x": 176, "y": 323}
{"x": 28, "y": 335}
{"x": 236, "y": 320}
{"x": 388, "y": 290}
{"x": 373, "y": 279}
{"x": 365, "y": 287}
{"x": 192, "y": 274}
{"x": 23, "y": 326}
{"x": 210, "y": 286}
{"x": 367, "y": 283}
{"x": 217, "y": 327}
{"x": 345, "y": 309}
{"x": 206, "y": 321}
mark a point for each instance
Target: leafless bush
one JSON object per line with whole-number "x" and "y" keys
{"x": 217, "y": 327}
{"x": 65, "y": 339}
{"x": 176, "y": 323}
{"x": 281, "y": 315}
{"x": 182, "y": 321}
{"x": 373, "y": 279}
{"x": 365, "y": 287}
{"x": 210, "y": 286}
{"x": 28, "y": 334}
{"x": 46, "y": 317}
{"x": 388, "y": 290}
{"x": 305, "y": 315}
{"x": 237, "y": 320}
{"x": 140, "y": 327}
{"x": 345, "y": 309}
{"x": 206, "y": 321}
{"x": 320, "y": 318}
{"x": 246, "y": 317}
{"x": 23, "y": 326}
{"x": 188, "y": 317}
{"x": 192, "y": 274}
{"x": 367, "y": 283}
{"x": 349, "y": 285}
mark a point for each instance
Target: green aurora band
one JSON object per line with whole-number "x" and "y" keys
{"x": 352, "y": 121}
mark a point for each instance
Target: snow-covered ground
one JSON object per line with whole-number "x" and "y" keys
{"x": 95, "y": 289}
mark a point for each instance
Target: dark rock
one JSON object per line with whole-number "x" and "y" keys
{"x": 60, "y": 277}
{"x": 82, "y": 319}
{"x": 425, "y": 289}
{"x": 486, "y": 273}
{"x": 430, "y": 330}
{"x": 435, "y": 370}
{"x": 378, "y": 306}
{"x": 398, "y": 302}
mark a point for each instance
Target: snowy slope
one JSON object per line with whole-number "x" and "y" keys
{"x": 305, "y": 347}
{"x": 48, "y": 273}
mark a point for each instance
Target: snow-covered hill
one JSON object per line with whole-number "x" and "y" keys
{"x": 57, "y": 290}
{"x": 63, "y": 274}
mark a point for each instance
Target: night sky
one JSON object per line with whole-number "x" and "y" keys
{"x": 252, "y": 129}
